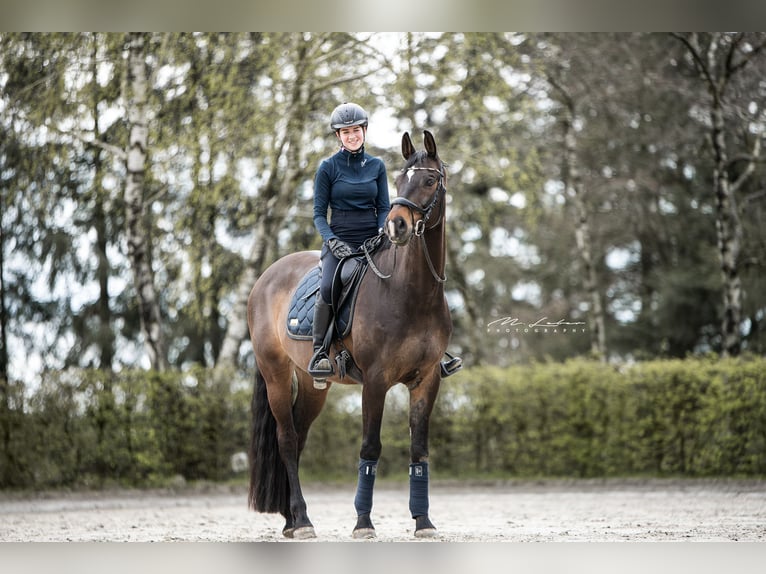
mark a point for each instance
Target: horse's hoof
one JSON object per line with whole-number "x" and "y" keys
{"x": 363, "y": 533}
{"x": 304, "y": 533}
{"x": 427, "y": 533}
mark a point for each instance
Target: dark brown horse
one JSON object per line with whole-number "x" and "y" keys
{"x": 400, "y": 333}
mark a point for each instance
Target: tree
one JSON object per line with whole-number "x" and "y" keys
{"x": 576, "y": 193}
{"x": 135, "y": 98}
{"x": 720, "y": 59}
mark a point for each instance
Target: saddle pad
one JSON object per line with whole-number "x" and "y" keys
{"x": 300, "y": 315}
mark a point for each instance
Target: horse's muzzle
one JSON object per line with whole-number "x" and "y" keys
{"x": 398, "y": 230}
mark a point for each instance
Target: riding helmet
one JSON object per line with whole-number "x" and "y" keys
{"x": 347, "y": 115}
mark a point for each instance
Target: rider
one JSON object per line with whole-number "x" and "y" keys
{"x": 354, "y": 185}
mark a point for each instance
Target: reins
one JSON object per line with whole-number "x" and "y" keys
{"x": 366, "y": 249}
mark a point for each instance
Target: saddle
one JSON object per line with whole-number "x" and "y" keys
{"x": 345, "y": 287}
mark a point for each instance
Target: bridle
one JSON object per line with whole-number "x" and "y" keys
{"x": 420, "y": 227}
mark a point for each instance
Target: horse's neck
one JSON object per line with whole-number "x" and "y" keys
{"x": 410, "y": 263}
{"x": 436, "y": 244}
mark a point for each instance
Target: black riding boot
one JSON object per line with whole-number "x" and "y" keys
{"x": 320, "y": 367}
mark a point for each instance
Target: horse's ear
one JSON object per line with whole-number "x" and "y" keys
{"x": 407, "y": 148}
{"x": 430, "y": 143}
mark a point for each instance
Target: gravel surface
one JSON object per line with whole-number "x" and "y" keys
{"x": 546, "y": 511}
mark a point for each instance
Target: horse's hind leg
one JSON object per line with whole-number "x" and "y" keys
{"x": 290, "y": 442}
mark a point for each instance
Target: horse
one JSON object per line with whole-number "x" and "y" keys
{"x": 400, "y": 331}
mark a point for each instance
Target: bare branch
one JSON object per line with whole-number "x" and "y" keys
{"x": 344, "y": 80}
{"x": 692, "y": 46}
{"x": 745, "y": 157}
{"x": 749, "y": 169}
{"x": 746, "y": 58}
{"x": 117, "y": 151}
{"x": 558, "y": 87}
{"x": 756, "y": 195}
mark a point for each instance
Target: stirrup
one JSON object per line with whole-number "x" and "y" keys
{"x": 320, "y": 384}
{"x": 320, "y": 368}
{"x": 450, "y": 367}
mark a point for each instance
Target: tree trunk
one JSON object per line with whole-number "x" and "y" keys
{"x": 576, "y": 194}
{"x": 7, "y": 459}
{"x": 4, "y": 358}
{"x": 3, "y": 321}
{"x": 729, "y": 231}
{"x": 237, "y": 330}
{"x": 136, "y": 88}
{"x": 106, "y": 333}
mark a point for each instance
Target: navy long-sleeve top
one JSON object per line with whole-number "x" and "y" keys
{"x": 350, "y": 181}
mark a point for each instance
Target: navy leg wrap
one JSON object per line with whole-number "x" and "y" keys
{"x": 419, "y": 489}
{"x": 363, "y": 498}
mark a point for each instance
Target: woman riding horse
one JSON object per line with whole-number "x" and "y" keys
{"x": 354, "y": 185}
{"x": 399, "y": 334}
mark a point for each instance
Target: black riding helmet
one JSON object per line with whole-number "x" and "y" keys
{"x": 347, "y": 115}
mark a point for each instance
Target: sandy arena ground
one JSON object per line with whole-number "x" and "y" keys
{"x": 547, "y": 511}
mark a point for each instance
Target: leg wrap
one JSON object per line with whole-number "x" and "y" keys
{"x": 419, "y": 489}
{"x": 363, "y": 499}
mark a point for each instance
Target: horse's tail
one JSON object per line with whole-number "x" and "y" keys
{"x": 269, "y": 487}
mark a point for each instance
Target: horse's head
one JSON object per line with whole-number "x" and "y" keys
{"x": 420, "y": 186}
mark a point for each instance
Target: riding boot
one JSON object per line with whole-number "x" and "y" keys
{"x": 320, "y": 367}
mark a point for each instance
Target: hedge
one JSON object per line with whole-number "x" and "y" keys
{"x": 702, "y": 417}
{"x": 97, "y": 429}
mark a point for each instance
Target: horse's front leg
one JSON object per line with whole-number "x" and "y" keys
{"x": 373, "y": 400}
{"x": 422, "y": 398}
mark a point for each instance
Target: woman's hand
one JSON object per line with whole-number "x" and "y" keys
{"x": 340, "y": 249}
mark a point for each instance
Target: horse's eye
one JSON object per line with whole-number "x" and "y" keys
{"x": 430, "y": 181}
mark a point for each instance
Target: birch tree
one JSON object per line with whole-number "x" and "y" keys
{"x": 139, "y": 247}
{"x": 568, "y": 89}
{"x": 719, "y": 58}
{"x": 576, "y": 194}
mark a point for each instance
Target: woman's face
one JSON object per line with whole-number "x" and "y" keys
{"x": 351, "y": 138}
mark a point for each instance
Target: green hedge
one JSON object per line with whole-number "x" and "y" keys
{"x": 704, "y": 417}
{"x": 89, "y": 428}
{"x": 694, "y": 417}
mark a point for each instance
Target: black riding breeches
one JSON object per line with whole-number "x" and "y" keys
{"x": 353, "y": 227}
